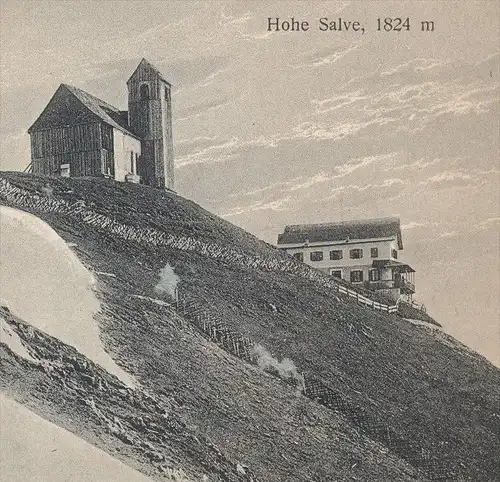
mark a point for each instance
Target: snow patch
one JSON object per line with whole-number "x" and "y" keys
{"x": 285, "y": 368}
{"x": 167, "y": 284}
{"x": 12, "y": 340}
{"x": 33, "y": 448}
{"x": 423, "y": 323}
{"x": 45, "y": 284}
{"x": 152, "y": 300}
{"x": 103, "y": 273}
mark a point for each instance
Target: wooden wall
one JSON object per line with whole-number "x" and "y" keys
{"x": 87, "y": 148}
{"x": 169, "y": 141}
{"x": 152, "y": 120}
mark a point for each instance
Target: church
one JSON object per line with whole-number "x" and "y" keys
{"x": 78, "y": 134}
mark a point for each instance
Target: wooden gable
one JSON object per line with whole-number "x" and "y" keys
{"x": 63, "y": 109}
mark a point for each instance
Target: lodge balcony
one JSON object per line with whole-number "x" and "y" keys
{"x": 405, "y": 286}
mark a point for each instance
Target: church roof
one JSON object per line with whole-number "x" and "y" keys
{"x": 104, "y": 111}
{"x": 343, "y": 230}
{"x": 145, "y": 70}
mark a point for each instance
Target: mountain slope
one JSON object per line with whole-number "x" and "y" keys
{"x": 385, "y": 398}
{"x": 34, "y": 449}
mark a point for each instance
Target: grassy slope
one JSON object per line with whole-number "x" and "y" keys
{"x": 409, "y": 388}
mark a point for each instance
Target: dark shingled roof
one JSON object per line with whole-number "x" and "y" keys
{"x": 109, "y": 114}
{"x": 147, "y": 66}
{"x": 340, "y": 231}
{"x": 58, "y": 111}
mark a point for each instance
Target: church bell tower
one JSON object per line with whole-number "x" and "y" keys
{"x": 150, "y": 117}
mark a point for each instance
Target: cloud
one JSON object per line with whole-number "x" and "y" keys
{"x": 196, "y": 140}
{"x": 387, "y": 183}
{"x": 338, "y": 101}
{"x": 419, "y": 164}
{"x": 419, "y": 64}
{"x": 234, "y": 20}
{"x": 323, "y": 58}
{"x": 338, "y": 172}
{"x": 414, "y": 224}
{"x": 360, "y": 163}
{"x": 229, "y": 149}
{"x": 222, "y": 151}
{"x": 447, "y": 176}
{"x": 210, "y": 79}
{"x": 277, "y": 205}
{"x": 413, "y": 94}
{"x": 449, "y": 234}
{"x": 488, "y": 223}
{"x": 202, "y": 108}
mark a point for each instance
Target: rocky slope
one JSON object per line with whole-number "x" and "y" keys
{"x": 264, "y": 371}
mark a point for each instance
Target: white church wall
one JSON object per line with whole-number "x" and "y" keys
{"x": 126, "y": 150}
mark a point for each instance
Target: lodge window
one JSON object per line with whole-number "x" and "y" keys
{"x": 356, "y": 276}
{"x": 356, "y": 253}
{"x": 132, "y": 169}
{"x": 299, "y": 256}
{"x": 316, "y": 256}
{"x": 144, "y": 92}
{"x": 336, "y": 273}
{"x": 166, "y": 94}
{"x": 336, "y": 254}
{"x": 374, "y": 252}
{"x": 374, "y": 275}
{"x": 395, "y": 253}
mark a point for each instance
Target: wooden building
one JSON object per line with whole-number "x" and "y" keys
{"x": 360, "y": 251}
{"x": 78, "y": 134}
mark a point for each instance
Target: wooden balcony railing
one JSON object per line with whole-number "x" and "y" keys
{"x": 405, "y": 285}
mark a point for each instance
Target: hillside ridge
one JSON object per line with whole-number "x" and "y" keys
{"x": 405, "y": 387}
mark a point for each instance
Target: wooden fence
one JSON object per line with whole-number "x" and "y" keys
{"x": 436, "y": 466}
{"x": 78, "y": 210}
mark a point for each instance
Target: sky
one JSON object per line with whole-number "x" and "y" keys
{"x": 276, "y": 128}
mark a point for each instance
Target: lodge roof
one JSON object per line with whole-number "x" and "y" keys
{"x": 342, "y": 231}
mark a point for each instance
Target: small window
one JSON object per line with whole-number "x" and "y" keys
{"x": 395, "y": 253}
{"x": 316, "y": 256}
{"x": 356, "y": 276}
{"x": 336, "y": 273}
{"x": 299, "y": 256}
{"x": 374, "y": 252}
{"x": 132, "y": 168}
{"x": 336, "y": 254}
{"x": 167, "y": 94}
{"x": 374, "y": 275}
{"x": 64, "y": 170}
{"x": 356, "y": 253}
{"x": 144, "y": 92}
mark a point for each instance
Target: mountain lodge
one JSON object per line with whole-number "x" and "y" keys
{"x": 362, "y": 252}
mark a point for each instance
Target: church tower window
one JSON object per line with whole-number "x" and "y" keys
{"x": 144, "y": 92}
